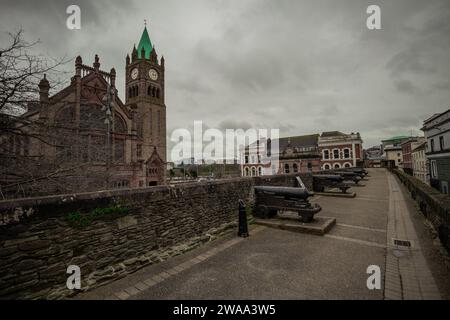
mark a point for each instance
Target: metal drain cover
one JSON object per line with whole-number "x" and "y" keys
{"x": 402, "y": 243}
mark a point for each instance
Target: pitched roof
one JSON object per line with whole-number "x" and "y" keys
{"x": 332, "y": 134}
{"x": 299, "y": 141}
{"x": 145, "y": 43}
{"x": 397, "y": 138}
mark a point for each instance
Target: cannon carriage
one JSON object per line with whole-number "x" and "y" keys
{"x": 271, "y": 200}
{"x": 329, "y": 181}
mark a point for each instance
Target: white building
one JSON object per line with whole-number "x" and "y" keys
{"x": 437, "y": 133}
{"x": 419, "y": 163}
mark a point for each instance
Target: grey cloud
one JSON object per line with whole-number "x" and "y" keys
{"x": 301, "y": 66}
{"x": 406, "y": 86}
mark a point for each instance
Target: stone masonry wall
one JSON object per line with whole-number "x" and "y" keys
{"x": 38, "y": 241}
{"x": 433, "y": 204}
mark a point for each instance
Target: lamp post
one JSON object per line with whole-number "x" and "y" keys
{"x": 108, "y": 108}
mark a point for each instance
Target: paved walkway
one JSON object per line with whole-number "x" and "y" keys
{"x": 277, "y": 264}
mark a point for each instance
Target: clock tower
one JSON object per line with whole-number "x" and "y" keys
{"x": 145, "y": 96}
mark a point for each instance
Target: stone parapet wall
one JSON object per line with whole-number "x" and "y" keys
{"x": 109, "y": 234}
{"x": 433, "y": 204}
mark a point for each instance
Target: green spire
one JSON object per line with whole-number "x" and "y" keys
{"x": 146, "y": 44}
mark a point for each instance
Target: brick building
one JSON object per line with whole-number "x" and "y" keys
{"x": 73, "y": 131}
{"x": 340, "y": 150}
{"x": 407, "y": 147}
{"x": 295, "y": 154}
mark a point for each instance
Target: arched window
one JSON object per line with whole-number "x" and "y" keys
{"x": 327, "y": 167}
{"x": 336, "y": 154}
{"x": 259, "y": 171}
{"x": 253, "y": 171}
{"x": 346, "y": 153}
{"x": 246, "y": 172}
{"x": 137, "y": 90}
{"x": 286, "y": 168}
{"x": 119, "y": 125}
{"x": 153, "y": 92}
{"x": 337, "y": 166}
{"x": 326, "y": 154}
{"x": 347, "y": 165}
{"x": 119, "y": 150}
{"x": 295, "y": 167}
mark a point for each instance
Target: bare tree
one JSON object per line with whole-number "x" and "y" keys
{"x": 20, "y": 73}
{"x": 23, "y": 173}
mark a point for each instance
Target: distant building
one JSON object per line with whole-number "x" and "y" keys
{"x": 437, "y": 134}
{"x": 340, "y": 150}
{"x": 252, "y": 156}
{"x": 392, "y": 152}
{"x": 373, "y": 157}
{"x": 295, "y": 154}
{"x": 419, "y": 163}
{"x": 407, "y": 147}
{"x": 299, "y": 154}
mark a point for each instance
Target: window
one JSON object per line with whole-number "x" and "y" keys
{"x": 441, "y": 143}
{"x": 309, "y": 166}
{"x": 286, "y": 168}
{"x": 246, "y": 160}
{"x": 295, "y": 167}
{"x": 337, "y": 166}
{"x": 432, "y": 145}
{"x": 253, "y": 171}
{"x": 347, "y": 165}
{"x": 335, "y": 154}
{"x": 159, "y": 122}
{"x": 326, "y": 154}
{"x": 346, "y": 153}
{"x": 259, "y": 171}
{"x": 327, "y": 167}
{"x": 119, "y": 150}
{"x": 139, "y": 150}
{"x": 246, "y": 172}
{"x": 433, "y": 169}
{"x": 445, "y": 187}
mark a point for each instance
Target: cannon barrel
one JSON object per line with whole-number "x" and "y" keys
{"x": 347, "y": 173}
{"x": 359, "y": 171}
{"x": 288, "y": 192}
{"x": 331, "y": 177}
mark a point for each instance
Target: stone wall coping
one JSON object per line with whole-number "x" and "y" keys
{"x": 68, "y": 198}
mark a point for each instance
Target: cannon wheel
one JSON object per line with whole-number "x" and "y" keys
{"x": 263, "y": 212}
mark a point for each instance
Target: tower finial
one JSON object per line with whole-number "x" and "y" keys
{"x": 145, "y": 22}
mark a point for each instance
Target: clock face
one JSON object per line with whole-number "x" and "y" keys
{"x": 134, "y": 73}
{"x": 153, "y": 74}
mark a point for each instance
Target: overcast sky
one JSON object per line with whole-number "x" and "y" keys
{"x": 302, "y": 66}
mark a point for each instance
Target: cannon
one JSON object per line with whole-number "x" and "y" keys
{"x": 322, "y": 181}
{"x": 270, "y": 200}
{"x": 349, "y": 176}
{"x": 359, "y": 171}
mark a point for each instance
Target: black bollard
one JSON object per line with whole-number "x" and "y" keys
{"x": 243, "y": 227}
